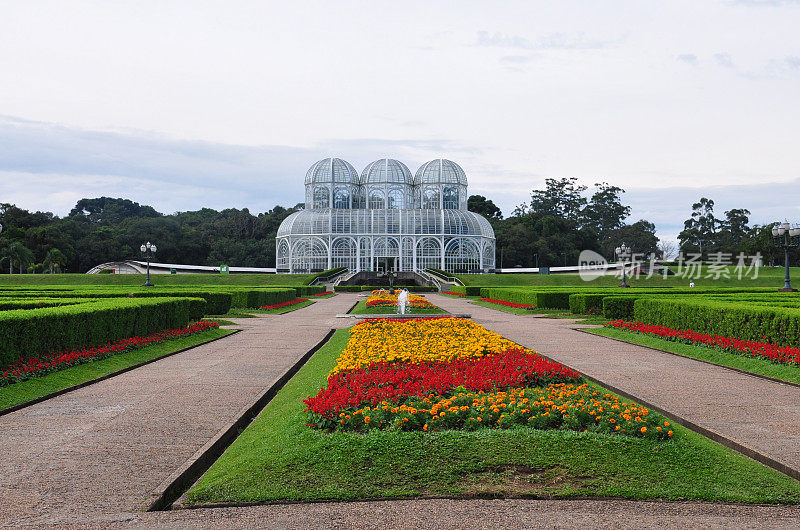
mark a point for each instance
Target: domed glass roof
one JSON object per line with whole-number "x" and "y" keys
{"x": 441, "y": 171}
{"x": 332, "y": 170}
{"x": 387, "y": 171}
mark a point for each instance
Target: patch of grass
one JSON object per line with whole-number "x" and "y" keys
{"x": 237, "y": 313}
{"x": 754, "y": 365}
{"x": 767, "y": 277}
{"x": 41, "y": 386}
{"x": 278, "y": 458}
{"x": 315, "y": 297}
{"x": 262, "y": 280}
{"x": 222, "y": 322}
{"x": 282, "y": 310}
{"x": 362, "y": 309}
{"x": 505, "y": 308}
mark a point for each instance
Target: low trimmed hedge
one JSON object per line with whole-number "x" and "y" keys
{"x": 618, "y": 307}
{"x": 35, "y": 332}
{"x": 745, "y": 321}
{"x": 586, "y": 304}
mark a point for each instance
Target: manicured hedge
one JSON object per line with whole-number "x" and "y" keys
{"x": 9, "y": 304}
{"x": 583, "y": 304}
{"x": 740, "y": 320}
{"x": 618, "y": 307}
{"x": 304, "y": 291}
{"x": 35, "y": 332}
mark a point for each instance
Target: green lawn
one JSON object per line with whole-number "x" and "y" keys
{"x": 545, "y": 312}
{"x": 281, "y": 310}
{"x": 278, "y": 458}
{"x": 754, "y": 365}
{"x": 362, "y": 309}
{"x": 41, "y": 386}
{"x": 256, "y": 280}
{"x": 767, "y": 277}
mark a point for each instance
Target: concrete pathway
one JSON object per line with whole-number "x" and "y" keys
{"x": 98, "y": 453}
{"x": 759, "y": 414}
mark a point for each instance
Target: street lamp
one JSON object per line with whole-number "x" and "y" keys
{"x": 148, "y": 252}
{"x": 622, "y": 253}
{"x": 786, "y": 236}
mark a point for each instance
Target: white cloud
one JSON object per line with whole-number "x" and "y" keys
{"x": 688, "y": 58}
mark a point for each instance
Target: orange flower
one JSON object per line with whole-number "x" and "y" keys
{"x": 367, "y": 419}
{"x": 643, "y": 429}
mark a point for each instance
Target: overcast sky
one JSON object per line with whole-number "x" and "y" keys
{"x": 184, "y": 105}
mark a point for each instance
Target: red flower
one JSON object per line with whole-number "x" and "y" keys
{"x": 508, "y": 304}
{"x": 284, "y": 304}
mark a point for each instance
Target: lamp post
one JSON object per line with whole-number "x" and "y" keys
{"x": 148, "y": 252}
{"x": 786, "y": 236}
{"x": 622, "y": 253}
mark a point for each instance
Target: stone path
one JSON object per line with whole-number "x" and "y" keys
{"x": 96, "y": 454}
{"x": 759, "y": 414}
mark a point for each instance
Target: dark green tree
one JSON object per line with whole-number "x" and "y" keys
{"x": 485, "y": 207}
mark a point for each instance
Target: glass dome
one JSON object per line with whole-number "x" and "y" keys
{"x": 385, "y": 220}
{"x": 387, "y": 171}
{"x": 332, "y": 170}
{"x": 441, "y": 171}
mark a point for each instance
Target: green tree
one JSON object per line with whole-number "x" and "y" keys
{"x": 605, "y": 210}
{"x": 640, "y": 237}
{"x": 561, "y": 198}
{"x": 485, "y": 207}
{"x": 54, "y": 260}
{"x": 700, "y": 230}
{"x": 20, "y": 254}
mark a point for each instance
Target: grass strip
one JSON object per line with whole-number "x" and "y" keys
{"x": 42, "y": 386}
{"x": 277, "y": 458}
{"x": 281, "y": 310}
{"x": 755, "y": 365}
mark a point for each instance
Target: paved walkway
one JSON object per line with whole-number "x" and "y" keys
{"x": 96, "y": 454}
{"x": 759, "y": 414}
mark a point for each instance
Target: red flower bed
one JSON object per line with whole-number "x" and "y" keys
{"x": 34, "y": 367}
{"x": 394, "y": 382}
{"x": 326, "y": 293}
{"x": 451, "y": 293}
{"x": 284, "y": 304}
{"x": 508, "y": 304}
{"x": 773, "y": 352}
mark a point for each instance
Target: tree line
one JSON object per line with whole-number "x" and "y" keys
{"x": 551, "y": 229}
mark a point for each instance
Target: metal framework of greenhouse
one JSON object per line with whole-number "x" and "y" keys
{"x": 385, "y": 219}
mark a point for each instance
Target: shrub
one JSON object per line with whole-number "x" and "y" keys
{"x": 583, "y": 304}
{"x": 618, "y": 307}
{"x": 777, "y": 325}
{"x": 35, "y": 332}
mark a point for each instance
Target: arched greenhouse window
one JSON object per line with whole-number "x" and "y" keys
{"x": 343, "y": 253}
{"x": 321, "y": 197}
{"x": 429, "y": 254}
{"x": 462, "y": 256}
{"x": 430, "y": 198}
{"x": 341, "y": 198}
{"x": 376, "y": 200}
{"x": 450, "y": 198}
{"x": 395, "y": 201}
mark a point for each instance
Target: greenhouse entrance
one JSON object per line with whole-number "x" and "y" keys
{"x": 385, "y": 264}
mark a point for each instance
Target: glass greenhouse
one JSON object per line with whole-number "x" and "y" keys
{"x": 385, "y": 219}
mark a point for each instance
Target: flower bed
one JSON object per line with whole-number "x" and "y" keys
{"x": 418, "y": 340}
{"x": 450, "y": 373}
{"x": 454, "y": 294}
{"x": 284, "y": 304}
{"x": 385, "y": 381}
{"x": 326, "y": 293}
{"x": 389, "y": 300}
{"x": 555, "y": 406}
{"x": 35, "y": 367}
{"x": 773, "y": 352}
{"x": 508, "y": 304}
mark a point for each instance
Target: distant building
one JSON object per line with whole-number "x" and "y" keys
{"x": 140, "y": 267}
{"x": 385, "y": 219}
